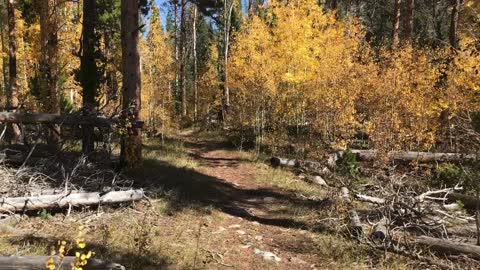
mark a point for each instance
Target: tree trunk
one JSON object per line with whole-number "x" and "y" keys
{"x": 183, "y": 56}
{"x": 410, "y": 20}
{"x": 11, "y": 94}
{"x": 4, "y": 58}
{"x": 195, "y": 71}
{"x": 454, "y": 24}
{"x": 177, "y": 51}
{"x": 437, "y": 24}
{"x": 227, "y": 13}
{"x": 334, "y": 6}
{"x": 357, "y": 8}
{"x": 49, "y": 64}
{"x": 251, "y": 8}
{"x": 88, "y": 71}
{"x": 131, "y": 146}
{"x": 396, "y": 23}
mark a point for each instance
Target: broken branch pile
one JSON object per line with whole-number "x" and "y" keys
{"x": 439, "y": 220}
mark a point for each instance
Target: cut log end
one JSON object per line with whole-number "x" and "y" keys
{"x": 275, "y": 162}
{"x": 355, "y": 225}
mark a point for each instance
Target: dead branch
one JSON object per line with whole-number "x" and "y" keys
{"x": 369, "y": 199}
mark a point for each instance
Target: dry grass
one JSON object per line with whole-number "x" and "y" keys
{"x": 286, "y": 180}
{"x": 172, "y": 152}
{"x": 177, "y": 232}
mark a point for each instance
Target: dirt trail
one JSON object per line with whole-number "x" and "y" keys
{"x": 259, "y": 236}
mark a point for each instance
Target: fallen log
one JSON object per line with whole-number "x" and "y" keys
{"x": 414, "y": 156}
{"x": 59, "y": 119}
{"x": 282, "y": 162}
{"x": 48, "y": 118}
{"x": 468, "y": 202}
{"x": 305, "y": 165}
{"x": 18, "y": 204}
{"x": 380, "y": 231}
{"x": 449, "y": 247}
{"x": 65, "y": 263}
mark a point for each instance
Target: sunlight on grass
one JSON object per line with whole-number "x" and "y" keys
{"x": 286, "y": 180}
{"x": 173, "y": 153}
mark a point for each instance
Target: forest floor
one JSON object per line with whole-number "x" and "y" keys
{"x": 211, "y": 207}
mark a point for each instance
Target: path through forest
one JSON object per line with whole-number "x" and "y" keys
{"x": 211, "y": 207}
{"x": 261, "y": 225}
{"x": 257, "y": 217}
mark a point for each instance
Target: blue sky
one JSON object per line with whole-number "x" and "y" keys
{"x": 164, "y": 9}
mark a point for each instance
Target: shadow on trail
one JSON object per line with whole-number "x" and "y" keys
{"x": 193, "y": 189}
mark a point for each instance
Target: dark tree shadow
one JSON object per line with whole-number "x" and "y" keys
{"x": 193, "y": 189}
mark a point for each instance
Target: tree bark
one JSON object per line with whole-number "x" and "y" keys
{"x": 13, "y": 131}
{"x": 88, "y": 71}
{"x": 454, "y": 24}
{"x": 410, "y": 20}
{"x": 131, "y": 145}
{"x": 396, "y": 23}
{"x": 39, "y": 263}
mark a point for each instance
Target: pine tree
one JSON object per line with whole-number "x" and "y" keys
{"x": 11, "y": 93}
{"x": 131, "y": 145}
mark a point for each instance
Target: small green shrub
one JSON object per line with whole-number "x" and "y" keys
{"x": 449, "y": 174}
{"x": 44, "y": 214}
{"x": 351, "y": 165}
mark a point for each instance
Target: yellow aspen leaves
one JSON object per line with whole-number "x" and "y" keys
{"x": 298, "y": 68}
